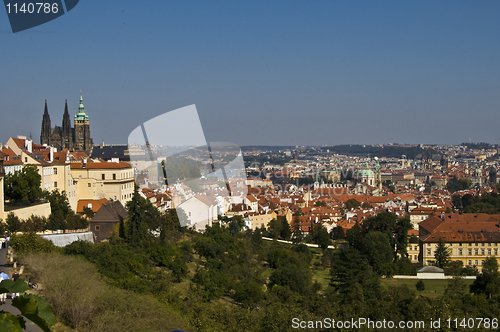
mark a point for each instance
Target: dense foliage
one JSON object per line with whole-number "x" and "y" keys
{"x": 23, "y": 185}
{"x": 226, "y": 279}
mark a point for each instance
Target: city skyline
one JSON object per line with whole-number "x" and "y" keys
{"x": 281, "y": 73}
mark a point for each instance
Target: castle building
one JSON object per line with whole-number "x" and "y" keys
{"x": 65, "y": 137}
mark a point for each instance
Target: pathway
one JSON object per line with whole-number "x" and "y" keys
{"x": 30, "y": 326}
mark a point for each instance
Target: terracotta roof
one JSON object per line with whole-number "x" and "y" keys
{"x": 469, "y": 227}
{"x": 96, "y": 204}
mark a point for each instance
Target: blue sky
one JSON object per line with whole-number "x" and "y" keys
{"x": 263, "y": 72}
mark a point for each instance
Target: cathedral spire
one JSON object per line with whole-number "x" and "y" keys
{"x": 45, "y": 133}
{"x": 67, "y": 134}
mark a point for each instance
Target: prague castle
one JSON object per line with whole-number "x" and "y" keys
{"x": 66, "y": 137}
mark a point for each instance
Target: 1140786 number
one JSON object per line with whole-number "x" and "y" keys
{"x": 473, "y": 323}
{"x": 31, "y": 8}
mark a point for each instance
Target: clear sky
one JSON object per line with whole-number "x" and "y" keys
{"x": 263, "y": 72}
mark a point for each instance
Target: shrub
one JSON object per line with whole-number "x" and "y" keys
{"x": 30, "y": 242}
{"x": 420, "y": 285}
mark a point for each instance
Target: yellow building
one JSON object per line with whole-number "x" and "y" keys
{"x": 111, "y": 180}
{"x": 53, "y": 166}
{"x": 470, "y": 238}
{"x": 260, "y": 220}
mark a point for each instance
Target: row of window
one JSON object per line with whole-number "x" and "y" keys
{"x": 483, "y": 244}
{"x": 122, "y": 176}
{"x": 476, "y": 252}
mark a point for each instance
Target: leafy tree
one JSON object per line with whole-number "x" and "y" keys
{"x": 320, "y": 203}
{"x": 59, "y": 204}
{"x": 338, "y": 233}
{"x": 442, "y": 254}
{"x": 14, "y": 224}
{"x": 352, "y": 204}
{"x": 23, "y": 185}
{"x": 296, "y": 233}
{"x": 275, "y": 227}
{"x": 376, "y": 246}
{"x": 350, "y": 268}
{"x": 249, "y": 293}
{"x": 88, "y": 212}
{"x": 456, "y": 184}
{"x": 31, "y": 307}
{"x": 30, "y": 242}
{"x": 488, "y": 282}
{"x": 320, "y": 236}
{"x": 296, "y": 277}
{"x": 136, "y": 230}
{"x": 286, "y": 232}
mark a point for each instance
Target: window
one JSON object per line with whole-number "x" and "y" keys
{"x": 482, "y": 251}
{"x": 470, "y": 262}
{"x": 475, "y": 262}
{"x": 496, "y": 252}
{"x": 482, "y": 262}
{"x": 470, "y": 251}
{"x": 55, "y": 171}
{"x": 476, "y": 252}
{"x": 460, "y": 252}
{"x": 428, "y": 252}
{"x": 482, "y": 244}
{"x": 114, "y": 176}
{"x": 25, "y": 159}
{"x": 489, "y": 244}
{"x": 475, "y": 244}
{"x": 459, "y": 244}
{"x": 55, "y": 184}
{"x": 416, "y": 257}
{"x": 97, "y": 227}
{"x": 489, "y": 251}
{"x": 88, "y": 184}
{"x": 103, "y": 176}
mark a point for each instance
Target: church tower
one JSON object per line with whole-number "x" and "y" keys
{"x": 46, "y": 128}
{"x": 82, "y": 141}
{"x": 67, "y": 133}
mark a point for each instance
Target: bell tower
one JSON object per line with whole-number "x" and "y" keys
{"x": 82, "y": 140}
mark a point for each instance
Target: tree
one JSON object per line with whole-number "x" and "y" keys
{"x": 320, "y": 236}
{"x": 275, "y": 227}
{"x": 488, "y": 282}
{"x": 286, "y": 232}
{"x": 13, "y": 223}
{"x": 136, "y": 230}
{"x": 338, "y": 233}
{"x": 296, "y": 232}
{"x": 442, "y": 254}
{"x": 32, "y": 307}
{"x": 23, "y": 185}
{"x": 352, "y": 204}
{"x": 420, "y": 285}
{"x": 59, "y": 204}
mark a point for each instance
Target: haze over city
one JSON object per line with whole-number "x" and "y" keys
{"x": 263, "y": 73}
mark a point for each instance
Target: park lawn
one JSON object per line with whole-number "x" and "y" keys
{"x": 433, "y": 287}
{"x": 322, "y": 276}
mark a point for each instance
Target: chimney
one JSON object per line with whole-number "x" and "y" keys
{"x": 28, "y": 144}
{"x": 51, "y": 154}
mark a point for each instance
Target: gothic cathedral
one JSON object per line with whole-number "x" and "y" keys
{"x": 65, "y": 137}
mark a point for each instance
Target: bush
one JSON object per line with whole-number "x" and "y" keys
{"x": 30, "y": 242}
{"x": 420, "y": 285}
{"x": 82, "y": 301}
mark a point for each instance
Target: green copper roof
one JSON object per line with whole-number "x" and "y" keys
{"x": 81, "y": 115}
